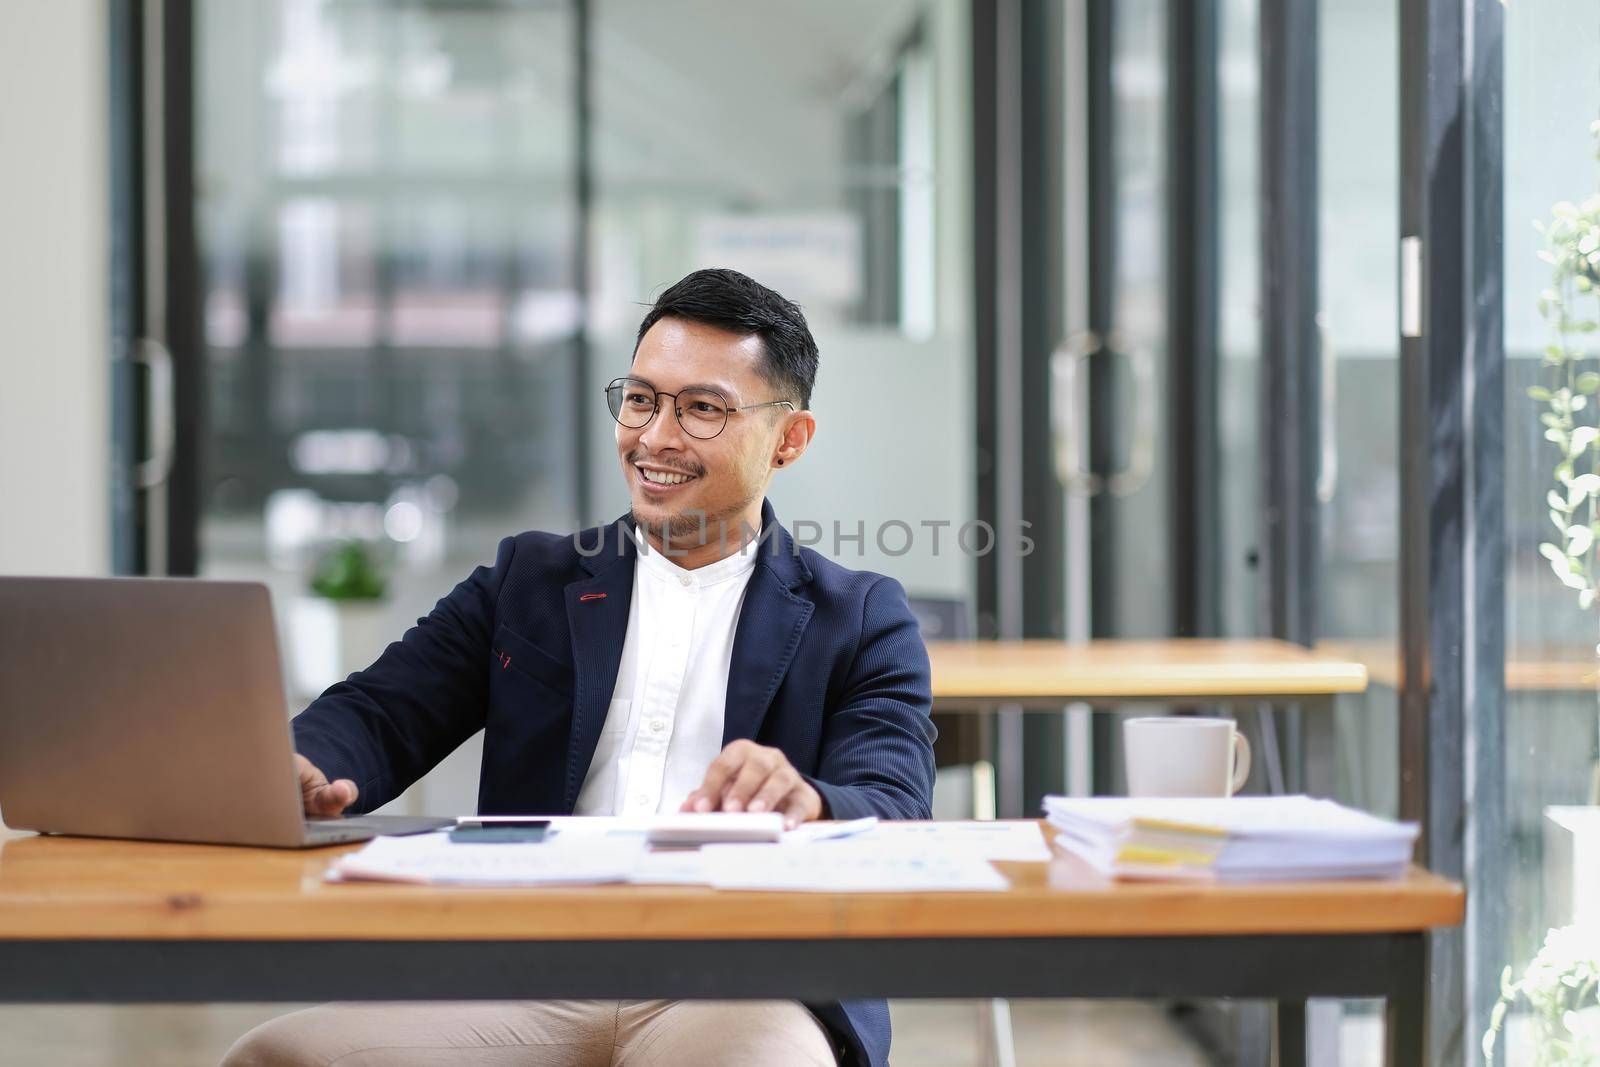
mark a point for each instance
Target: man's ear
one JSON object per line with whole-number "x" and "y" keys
{"x": 797, "y": 434}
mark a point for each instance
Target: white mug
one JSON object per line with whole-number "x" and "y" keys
{"x": 1184, "y": 756}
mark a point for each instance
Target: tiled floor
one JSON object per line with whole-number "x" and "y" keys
{"x": 927, "y": 1034}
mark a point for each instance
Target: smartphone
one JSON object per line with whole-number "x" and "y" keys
{"x": 499, "y": 832}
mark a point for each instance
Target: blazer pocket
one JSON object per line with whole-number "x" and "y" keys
{"x": 512, "y": 652}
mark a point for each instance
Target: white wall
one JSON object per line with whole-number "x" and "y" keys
{"x": 54, "y": 361}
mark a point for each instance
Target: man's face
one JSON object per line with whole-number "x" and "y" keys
{"x": 725, "y": 475}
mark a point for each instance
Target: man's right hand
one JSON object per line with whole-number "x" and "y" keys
{"x": 320, "y": 796}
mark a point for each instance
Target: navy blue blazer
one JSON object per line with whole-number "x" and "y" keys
{"x": 828, "y": 665}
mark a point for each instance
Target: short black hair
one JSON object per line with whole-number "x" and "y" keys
{"x": 732, "y": 301}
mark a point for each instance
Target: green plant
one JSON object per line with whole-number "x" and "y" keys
{"x": 349, "y": 571}
{"x": 1562, "y": 988}
{"x": 1572, "y": 239}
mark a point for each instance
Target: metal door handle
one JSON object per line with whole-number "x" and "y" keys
{"x": 1069, "y": 413}
{"x": 160, "y": 413}
{"x": 1328, "y": 431}
{"x": 1142, "y": 454}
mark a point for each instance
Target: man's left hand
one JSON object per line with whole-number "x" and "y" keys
{"x": 751, "y": 777}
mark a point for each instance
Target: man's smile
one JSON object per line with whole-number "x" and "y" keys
{"x": 658, "y": 480}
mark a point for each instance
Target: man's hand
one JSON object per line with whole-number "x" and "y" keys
{"x": 320, "y": 796}
{"x": 751, "y": 777}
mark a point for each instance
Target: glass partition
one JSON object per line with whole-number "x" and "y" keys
{"x": 400, "y": 344}
{"x": 386, "y": 216}
{"x": 836, "y": 170}
{"x": 1551, "y": 882}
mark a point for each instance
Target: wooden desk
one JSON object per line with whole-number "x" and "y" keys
{"x": 84, "y": 920}
{"x": 1550, "y": 668}
{"x": 982, "y": 676}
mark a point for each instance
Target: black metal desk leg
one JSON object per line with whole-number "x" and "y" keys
{"x": 1405, "y": 1016}
{"x": 1289, "y": 1034}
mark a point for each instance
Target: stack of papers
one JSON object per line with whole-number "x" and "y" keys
{"x": 1239, "y": 839}
{"x": 862, "y": 856}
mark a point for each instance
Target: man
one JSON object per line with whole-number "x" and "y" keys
{"x": 687, "y": 657}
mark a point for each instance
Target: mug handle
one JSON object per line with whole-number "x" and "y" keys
{"x": 1241, "y": 761}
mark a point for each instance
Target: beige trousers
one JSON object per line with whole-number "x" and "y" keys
{"x": 545, "y": 1033}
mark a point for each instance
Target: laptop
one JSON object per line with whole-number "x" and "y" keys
{"x": 153, "y": 708}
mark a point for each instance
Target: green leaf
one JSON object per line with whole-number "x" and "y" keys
{"x": 1588, "y": 382}
{"x": 1553, "y": 554}
{"x": 1586, "y": 599}
{"x": 1582, "y": 438}
{"x": 1585, "y": 484}
{"x": 1559, "y": 518}
{"x": 1541, "y": 394}
{"x": 1555, "y": 500}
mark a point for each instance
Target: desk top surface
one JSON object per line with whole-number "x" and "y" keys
{"x": 82, "y": 888}
{"x": 1545, "y": 668}
{"x": 1183, "y": 667}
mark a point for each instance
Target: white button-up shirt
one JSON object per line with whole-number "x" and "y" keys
{"x": 664, "y": 725}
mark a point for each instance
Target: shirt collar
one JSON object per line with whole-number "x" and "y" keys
{"x": 655, "y": 562}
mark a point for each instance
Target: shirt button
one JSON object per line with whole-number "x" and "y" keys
{"x": 642, "y": 798}
{"x": 655, "y": 725}
{"x": 684, "y": 581}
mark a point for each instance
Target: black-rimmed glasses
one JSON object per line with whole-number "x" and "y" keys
{"x": 703, "y": 413}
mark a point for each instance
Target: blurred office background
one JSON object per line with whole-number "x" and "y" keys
{"x": 288, "y": 275}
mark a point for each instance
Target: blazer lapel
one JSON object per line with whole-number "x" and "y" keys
{"x": 597, "y": 619}
{"x": 771, "y": 623}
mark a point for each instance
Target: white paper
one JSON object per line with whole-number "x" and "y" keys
{"x": 875, "y": 857}
{"x": 669, "y": 866}
{"x": 434, "y": 859}
{"x": 1011, "y": 840}
{"x": 828, "y": 831}
{"x": 848, "y": 866}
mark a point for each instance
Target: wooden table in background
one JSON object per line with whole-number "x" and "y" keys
{"x": 112, "y": 921}
{"x": 1531, "y": 669}
{"x": 984, "y": 676}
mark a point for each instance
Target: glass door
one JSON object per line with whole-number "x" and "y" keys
{"x": 1109, "y": 374}
{"x": 1539, "y": 939}
{"x": 392, "y": 307}
{"x": 1358, "y": 492}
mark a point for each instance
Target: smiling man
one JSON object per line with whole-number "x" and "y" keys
{"x": 687, "y": 657}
